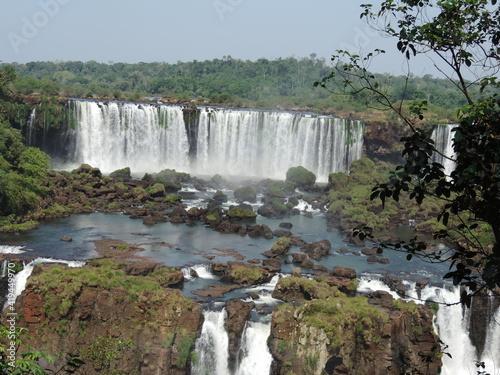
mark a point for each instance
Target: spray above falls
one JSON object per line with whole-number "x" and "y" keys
{"x": 208, "y": 141}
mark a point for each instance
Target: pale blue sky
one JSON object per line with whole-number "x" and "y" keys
{"x": 186, "y": 30}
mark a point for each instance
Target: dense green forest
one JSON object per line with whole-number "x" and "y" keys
{"x": 284, "y": 83}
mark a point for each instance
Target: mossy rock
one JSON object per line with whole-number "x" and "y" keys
{"x": 171, "y": 187}
{"x": 246, "y": 193}
{"x": 123, "y": 174}
{"x": 301, "y": 177}
{"x": 84, "y": 168}
{"x": 281, "y": 246}
{"x": 171, "y": 175}
{"x": 157, "y": 190}
{"x": 239, "y": 213}
{"x": 246, "y": 274}
{"x": 219, "y": 196}
{"x": 172, "y": 198}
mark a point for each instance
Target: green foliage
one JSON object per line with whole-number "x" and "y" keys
{"x": 105, "y": 352}
{"x": 461, "y": 34}
{"x": 184, "y": 349}
{"x": 26, "y": 361}
{"x": 283, "y": 82}
{"x": 300, "y": 176}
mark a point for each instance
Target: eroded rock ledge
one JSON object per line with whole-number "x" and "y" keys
{"x": 321, "y": 330}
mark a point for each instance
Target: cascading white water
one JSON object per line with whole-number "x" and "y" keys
{"x": 451, "y": 323}
{"x": 266, "y": 143}
{"x": 203, "y": 271}
{"x": 443, "y": 142}
{"x": 212, "y": 345}
{"x": 145, "y": 138}
{"x": 256, "y": 358}
{"x": 30, "y": 127}
{"x": 149, "y": 138}
{"x": 8, "y": 249}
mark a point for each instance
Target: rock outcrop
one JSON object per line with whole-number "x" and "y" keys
{"x": 123, "y": 320}
{"x": 331, "y": 333}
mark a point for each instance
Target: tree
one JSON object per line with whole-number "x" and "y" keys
{"x": 463, "y": 37}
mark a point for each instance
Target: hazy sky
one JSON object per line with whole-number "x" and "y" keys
{"x": 186, "y": 30}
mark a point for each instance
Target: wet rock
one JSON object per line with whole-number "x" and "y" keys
{"x": 297, "y": 241}
{"x": 215, "y": 290}
{"x": 369, "y": 251}
{"x": 66, "y": 239}
{"x": 286, "y": 225}
{"x": 282, "y": 233}
{"x": 348, "y": 273}
{"x": 318, "y": 249}
{"x": 253, "y": 295}
{"x": 148, "y": 220}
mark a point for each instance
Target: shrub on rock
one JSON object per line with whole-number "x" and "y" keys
{"x": 300, "y": 176}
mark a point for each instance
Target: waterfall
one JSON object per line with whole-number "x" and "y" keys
{"x": 256, "y": 358}
{"x": 21, "y": 277}
{"x": 267, "y": 143}
{"x": 443, "y": 142}
{"x": 251, "y": 143}
{"x": 30, "y": 128}
{"x": 4, "y": 268}
{"x": 451, "y": 323}
{"x": 203, "y": 271}
{"x": 145, "y": 138}
{"x": 212, "y": 345}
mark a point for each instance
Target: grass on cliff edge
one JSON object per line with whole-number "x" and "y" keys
{"x": 60, "y": 285}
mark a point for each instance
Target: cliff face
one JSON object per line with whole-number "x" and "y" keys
{"x": 383, "y": 141}
{"x": 351, "y": 335}
{"x": 115, "y": 320}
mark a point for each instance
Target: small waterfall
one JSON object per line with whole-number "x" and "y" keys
{"x": 21, "y": 277}
{"x": 451, "y": 324}
{"x": 256, "y": 358}
{"x": 7, "y": 249}
{"x": 30, "y": 128}
{"x": 443, "y": 142}
{"x": 149, "y": 138}
{"x": 203, "y": 271}
{"x": 212, "y": 346}
{"x": 4, "y": 268}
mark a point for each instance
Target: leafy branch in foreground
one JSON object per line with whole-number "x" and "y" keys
{"x": 465, "y": 36}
